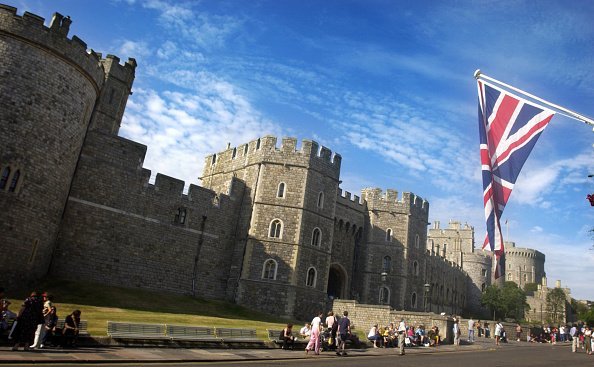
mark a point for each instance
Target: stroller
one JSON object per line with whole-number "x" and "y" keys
{"x": 503, "y": 337}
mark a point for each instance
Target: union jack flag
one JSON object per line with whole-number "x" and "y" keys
{"x": 509, "y": 126}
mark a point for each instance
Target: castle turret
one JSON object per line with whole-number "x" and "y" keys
{"x": 48, "y": 89}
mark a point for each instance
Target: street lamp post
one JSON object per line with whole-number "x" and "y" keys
{"x": 427, "y": 290}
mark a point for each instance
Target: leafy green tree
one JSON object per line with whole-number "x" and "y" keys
{"x": 586, "y": 314}
{"x": 514, "y": 299}
{"x": 556, "y": 300}
{"x": 491, "y": 298}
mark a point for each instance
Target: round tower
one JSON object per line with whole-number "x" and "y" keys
{"x": 478, "y": 267}
{"x": 48, "y": 88}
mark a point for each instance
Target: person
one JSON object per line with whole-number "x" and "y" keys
{"x": 314, "y": 340}
{"x": 479, "y": 328}
{"x": 27, "y": 320}
{"x": 487, "y": 330}
{"x": 5, "y": 314}
{"x": 518, "y": 332}
{"x": 401, "y": 335}
{"x": 374, "y": 336}
{"x": 343, "y": 332}
{"x": 39, "y": 333}
{"x": 471, "y": 330}
{"x": 421, "y": 335}
{"x": 305, "y": 331}
{"x": 71, "y": 328}
{"x": 51, "y": 320}
{"x": 588, "y": 339}
{"x": 498, "y": 332}
{"x": 562, "y": 333}
{"x": 332, "y": 325}
{"x": 287, "y": 337}
{"x": 574, "y": 338}
{"x": 457, "y": 332}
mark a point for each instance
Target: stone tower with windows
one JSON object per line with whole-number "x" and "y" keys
{"x": 285, "y": 228}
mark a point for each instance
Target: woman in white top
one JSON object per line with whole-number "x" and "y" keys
{"x": 498, "y": 330}
{"x": 314, "y": 341}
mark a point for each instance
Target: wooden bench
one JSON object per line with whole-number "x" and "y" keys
{"x": 192, "y": 333}
{"x": 125, "y": 330}
{"x": 274, "y": 336}
{"x": 82, "y": 327}
{"x": 237, "y": 335}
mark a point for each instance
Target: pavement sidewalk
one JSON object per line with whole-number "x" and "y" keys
{"x": 148, "y": 355}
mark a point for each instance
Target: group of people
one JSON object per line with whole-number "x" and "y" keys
{"x": 335, "y": 330}
{"x": 388, "y": 336}
{"x": 36, "y": 323}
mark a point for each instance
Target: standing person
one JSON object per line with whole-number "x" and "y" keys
{"x": 314, "y": 341}
{"x": 51, "y": 320}
{"x": 332, "y": 325}
{"x": 344, "y": 330}
{"x": 487, "y": 330}
{"x": 30, "y": 315}
{"x": 457, "y": 332}
{"x": 498, "y": 331}
{"x": 39, "y": 333}
{"x": 287, "y": 337}
{"x": 471, "y": 330}
{"x": 401, "y": 335}
{"x": 479, "y": 328}
{"x": 588, "y": 339}
{"x": 518, "y": 332}
{"x": 574, "y": 338}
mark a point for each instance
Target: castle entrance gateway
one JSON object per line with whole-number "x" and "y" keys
{"x": 337, "y": 281}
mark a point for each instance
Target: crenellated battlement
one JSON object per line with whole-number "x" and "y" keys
{"x": 349, "y": 200}
{"x": 265, "y": 149}
{"x": 389, "y": 201}
{"x": 53, "y": 38}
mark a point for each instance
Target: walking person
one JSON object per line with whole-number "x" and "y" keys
{"x": 457, "y": 332}
{"x": 343, "y": 332}
{"x": 574, "y": 338}
{"x": 588, "y": 339}
{"x": 498, "y": 332}
{"x": 471, "y": 330}
{"x": 401, "y": 335}
{"x": 314, "y": 341}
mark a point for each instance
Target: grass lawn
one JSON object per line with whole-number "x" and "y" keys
{"x": 99, "y": 303}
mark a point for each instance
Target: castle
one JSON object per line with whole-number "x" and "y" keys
{"x": 269, "y": 229}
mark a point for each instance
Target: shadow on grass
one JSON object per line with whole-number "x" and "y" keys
{"x": 99, "y": 295}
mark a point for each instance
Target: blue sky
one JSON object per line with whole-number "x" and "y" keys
{"x": 387, "y": 84}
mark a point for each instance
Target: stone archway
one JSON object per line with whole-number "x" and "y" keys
{"x": 337, "y": 282}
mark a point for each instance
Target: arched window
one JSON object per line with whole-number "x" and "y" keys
{"x": 269, "y": 269}
{"x": 417, "y": 241}
{"x": 321, "y": 200}
{"x": 509, "y": 276}
{"x": 276, "y": 229}
{"x": 445, "y": 248}
{"x": 483, "y": 287}
{"x": 281, "y": 190}
{"x": 525, "y": 278}
{"x": 4, "y": 177}
{"x": 415, "y": 268}
{"x": 214, "y": 159}
{"x": 316, "y": 237}
{"x": 234, "y": 153}
{"x": 181, "y": 216}
{"x": 311, "y": 278}
{"x": 258, "y": 144}
{"x": 389, "y": 235}
{"x": 413, "y": 300}
{"x": 384, "y": 296}
{"x": 387, "y": 264}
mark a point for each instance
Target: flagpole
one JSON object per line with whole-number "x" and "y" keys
{"x": 569, "y": 113}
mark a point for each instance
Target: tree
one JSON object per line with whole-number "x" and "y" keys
{"x": 507, "y": 301}
{"x": 556, "y": 300}
{"x": 530, "y": 287}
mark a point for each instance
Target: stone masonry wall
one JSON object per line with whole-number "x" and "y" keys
{"x": 119, "y": 229}
{"x": 48, "y": 87}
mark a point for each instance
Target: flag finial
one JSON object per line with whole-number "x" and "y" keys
{"x": 477, "y": 73}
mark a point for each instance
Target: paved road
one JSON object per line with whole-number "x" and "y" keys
{"x": 480, "y": 354}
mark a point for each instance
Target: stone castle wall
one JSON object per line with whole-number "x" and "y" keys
{"x": 121, "y": 230}
{"x": 523, "y": 265}
{"x": 48, "y": 88}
